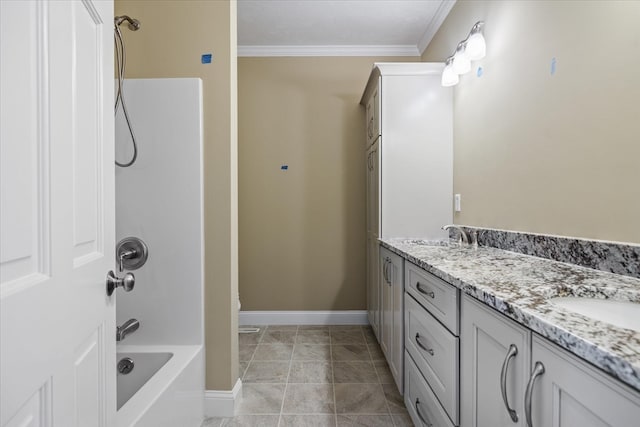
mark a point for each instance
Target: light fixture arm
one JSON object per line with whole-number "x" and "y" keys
{"x": 478, "y": 27}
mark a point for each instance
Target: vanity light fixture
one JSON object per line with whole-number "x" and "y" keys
{"x": 470, "y": 49}
{"x": 461, "y": 62}
{"x": 449, "y": 77}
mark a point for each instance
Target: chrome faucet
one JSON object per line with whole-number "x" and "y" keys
{"x": 127, "y": 327}
{"x": 464, "y": 237}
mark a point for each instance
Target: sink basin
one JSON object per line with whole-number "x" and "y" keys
{"x": 624, "y": 314}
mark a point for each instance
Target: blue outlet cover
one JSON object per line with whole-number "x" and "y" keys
{"x": 479, "y": 72}
{"x": 206, "y": 58}
{"x": 284, "y": 167}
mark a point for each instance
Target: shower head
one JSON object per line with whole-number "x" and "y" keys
{"x": 134, "y": 24}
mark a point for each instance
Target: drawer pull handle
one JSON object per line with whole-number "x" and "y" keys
{"x": 513, "y": 350}
{"x": 537, "y": 371}
{"x": 422, "y": 291}
{"x": 428, "y": 350}
{"x": 427, "y": 423}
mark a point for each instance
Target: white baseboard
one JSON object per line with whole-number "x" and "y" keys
{"x": 222, "y": 403}
{"x": 347, "y": 317}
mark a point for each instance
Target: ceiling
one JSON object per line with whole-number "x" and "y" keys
{"x": 338, "y": 27}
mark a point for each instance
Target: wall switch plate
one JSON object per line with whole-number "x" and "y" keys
{"x": 456, "y": 202}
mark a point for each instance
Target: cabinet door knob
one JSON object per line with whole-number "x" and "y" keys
{"x": 511, "y": 353}
{"x": 428, "y": 350}
{"x": 430, "y": 294}
{"x": 537, "y": 371}
{"x": 427, "y": 423}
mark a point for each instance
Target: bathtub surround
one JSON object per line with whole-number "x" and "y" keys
{"x": 175, "y": 35}
{"x": 159, "y": 199}
{"x": 542, "y": 153}
{"x": 613, "y": 257}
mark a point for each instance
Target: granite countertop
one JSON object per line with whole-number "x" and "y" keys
{"x": 519, "y": 285}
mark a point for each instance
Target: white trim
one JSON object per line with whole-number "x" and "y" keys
{"x": 347, "y": 317}
{"x": 222, "y": 403}
{"x": 330, "y": 50}
{"x": 433, "y": 27}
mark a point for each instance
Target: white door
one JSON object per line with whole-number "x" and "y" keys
{"x": 57, "y": 325}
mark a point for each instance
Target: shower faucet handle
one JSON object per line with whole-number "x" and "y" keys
{"x": 127, "y": 282}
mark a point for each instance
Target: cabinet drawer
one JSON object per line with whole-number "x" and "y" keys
{"x": 438, "y": 296}
{"x": 422, "y": 404}
{"x": 435, "y": 351}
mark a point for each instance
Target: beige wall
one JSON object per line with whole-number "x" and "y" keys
{"x": 302, "y": 231}
{"x": 173, "y": 36}
{"x": 553, "y": 154}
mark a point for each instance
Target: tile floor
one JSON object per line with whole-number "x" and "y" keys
{"x": 315, "y": 376}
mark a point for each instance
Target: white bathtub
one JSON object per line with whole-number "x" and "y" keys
{"x": 165, "y": 387}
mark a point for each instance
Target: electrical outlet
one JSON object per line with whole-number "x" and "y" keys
{"x": 456, "y": 202}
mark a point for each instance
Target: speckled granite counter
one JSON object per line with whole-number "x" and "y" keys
{"x": 519, "y": 285}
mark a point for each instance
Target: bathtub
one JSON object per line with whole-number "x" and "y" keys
{"x": 165, "y": 387}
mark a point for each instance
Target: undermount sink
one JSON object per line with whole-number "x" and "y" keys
{"x": 624, "y": 314}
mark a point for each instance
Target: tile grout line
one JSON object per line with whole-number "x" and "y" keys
{"x": 333, "y": 379}
{"x": 286, "y": 384}
{"x": 384, "y": 396}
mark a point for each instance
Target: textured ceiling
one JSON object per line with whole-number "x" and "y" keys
{"x": 327, "y": 23}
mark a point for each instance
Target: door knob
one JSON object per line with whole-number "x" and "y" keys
{"x": 127, "y": 282}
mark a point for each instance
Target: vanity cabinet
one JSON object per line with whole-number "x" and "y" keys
{"x": 500, "y": 360}
{"x": 432, "y": 347}
{"x": 409, "y": 160}
{"x": 567, "y": 392}
{"x": 495, "y": 355}
{"x": 392, "y": 313}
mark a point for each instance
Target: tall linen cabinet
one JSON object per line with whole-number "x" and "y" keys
{"x": 409, "y": 163}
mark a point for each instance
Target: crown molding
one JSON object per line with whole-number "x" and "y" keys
{"x": 329, "y": 50}
{"x": 437, "y": 20}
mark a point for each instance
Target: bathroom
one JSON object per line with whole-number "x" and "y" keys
{"x": 543, "y": 143}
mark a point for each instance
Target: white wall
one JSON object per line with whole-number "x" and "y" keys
{"x": 159, "y": 199}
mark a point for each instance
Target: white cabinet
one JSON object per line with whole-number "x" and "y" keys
{"x": 435, "y": 352}
{"x": 568, "y": 392}
{"x": 414, "y": 132}
{"x": 373, "y": 212}
{"x": 432, "y": 343}
{"x": 421, "y": 403}
{"x": 409, "y": 160}
{"x": 392, "y": 313}
{"x": 494, "y": 367}
{"x": 503, "y": 368}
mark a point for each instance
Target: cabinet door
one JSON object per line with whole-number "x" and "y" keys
{"x": 373, "y": 189}
{"x": 494, "y": 364}
{"x": 569, "y": 392}
{"x": 373, "y": 284}
{"x": 373, "y": 115}
{"x": 391, "y": 291}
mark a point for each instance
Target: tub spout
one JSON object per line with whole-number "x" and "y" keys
{"x": 127, "y": 327}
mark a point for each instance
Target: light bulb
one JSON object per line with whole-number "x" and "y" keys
{"x": 476, "y": 47}
{"x": 449, "y": 77}
{"x": 461, "y": 63}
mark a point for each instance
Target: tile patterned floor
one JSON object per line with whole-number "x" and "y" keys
{"x": 315, "y": 376}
